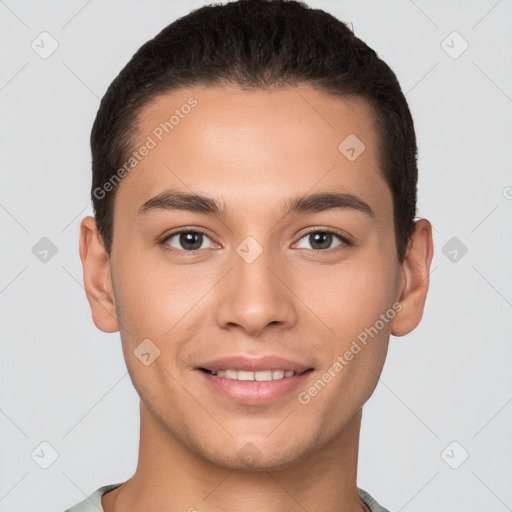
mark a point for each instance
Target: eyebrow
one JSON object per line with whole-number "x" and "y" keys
{"x": 313, "y": 203}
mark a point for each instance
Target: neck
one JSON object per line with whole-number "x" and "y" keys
{"x": 170, "y": 477}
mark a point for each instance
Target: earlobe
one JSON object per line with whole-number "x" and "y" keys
{"x": 415, "y": 279}
{"x": 97, "y": 277}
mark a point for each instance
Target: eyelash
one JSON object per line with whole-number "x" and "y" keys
{"x": 345, "y": 242}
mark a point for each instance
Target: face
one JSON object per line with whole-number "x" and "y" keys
{"x": 289, "y": 253}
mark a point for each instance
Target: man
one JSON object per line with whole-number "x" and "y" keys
{"x": 255, "y": 244}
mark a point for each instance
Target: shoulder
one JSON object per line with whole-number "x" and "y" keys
{"x": 93, "y": 502}
{"x": 371, "y": 502}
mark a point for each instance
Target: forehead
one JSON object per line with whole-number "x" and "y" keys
{"x": 256, "y": 147}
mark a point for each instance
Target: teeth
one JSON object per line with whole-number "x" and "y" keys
{"x": 264, "y": 375}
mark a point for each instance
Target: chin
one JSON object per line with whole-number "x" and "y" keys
{"x": 256, "y": 457}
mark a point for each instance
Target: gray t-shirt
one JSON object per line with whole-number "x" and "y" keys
{"x": 93, "y": 502}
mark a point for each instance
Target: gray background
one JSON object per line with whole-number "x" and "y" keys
{"x": 63, "y": 382}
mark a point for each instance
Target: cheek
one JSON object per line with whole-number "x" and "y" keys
{"x": 350, "y": 298}
{"x": 358, "y": 309}
{"x": 151, "y": 297}
{"x": 161, "y": 303}
{"x": 356, "y": 303}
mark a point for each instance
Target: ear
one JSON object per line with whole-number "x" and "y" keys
{"x": 97, "y": 276}
{"x": 415, "y": 279}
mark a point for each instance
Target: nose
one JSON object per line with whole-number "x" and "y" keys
{"x": 256, "y": 294}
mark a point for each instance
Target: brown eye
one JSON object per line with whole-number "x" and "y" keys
{"x": 186, "y": 240}
{"x": 323, "y": 240}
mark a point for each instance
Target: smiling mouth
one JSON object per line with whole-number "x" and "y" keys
{"x": 258, "y": 376}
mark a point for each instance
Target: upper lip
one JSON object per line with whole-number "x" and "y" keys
{"x": 254, "y": 364}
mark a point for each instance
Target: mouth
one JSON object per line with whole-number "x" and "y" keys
{"x": 257, "y": 376}
{"x": 254, "y": 381}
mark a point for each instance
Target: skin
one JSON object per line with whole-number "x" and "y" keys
{"x": 252, "y": 151}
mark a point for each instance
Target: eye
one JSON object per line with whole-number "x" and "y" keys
{"x": 187, "y": 240}
{"x": 321, "y": 240}
{"x": 193, "y": 240}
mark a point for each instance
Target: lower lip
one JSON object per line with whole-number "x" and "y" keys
{"x": 255, "y": 392}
